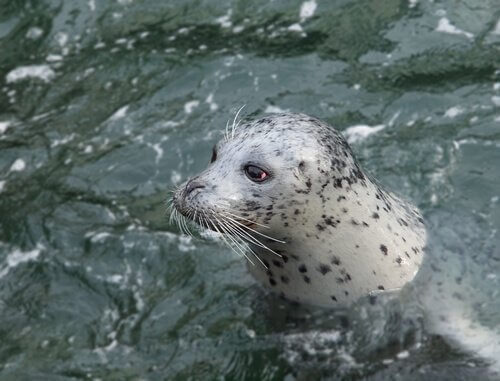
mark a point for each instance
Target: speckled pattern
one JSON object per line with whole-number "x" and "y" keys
{"x": 344, "y": 235}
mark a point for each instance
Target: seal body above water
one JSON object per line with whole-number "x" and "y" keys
{"x": 287, "y": 190}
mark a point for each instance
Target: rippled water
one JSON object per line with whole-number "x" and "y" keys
{"x": 105, "y": 106}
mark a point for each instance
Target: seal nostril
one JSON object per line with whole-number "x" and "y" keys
{"x": 192, "y": 185}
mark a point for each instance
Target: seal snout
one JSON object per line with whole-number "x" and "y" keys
{"x": 184, "y": 197}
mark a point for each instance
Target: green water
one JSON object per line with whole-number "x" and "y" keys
{"x": 105, "y": 106}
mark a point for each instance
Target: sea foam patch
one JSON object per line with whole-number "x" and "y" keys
{"x": 360, "y": 132}
{"x": 42, "y": 72}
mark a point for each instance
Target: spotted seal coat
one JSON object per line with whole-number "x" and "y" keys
{"x": 319, "y": 230}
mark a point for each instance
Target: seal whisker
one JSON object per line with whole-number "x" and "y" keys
{"x": 248, "y": 237}
{"x": 241, "y": 250}
{"x": 235, "y": 125}
{"x": 245, "y": 219}
{"x": 177, "y": 220}
{"x": 253, "y": 230}
{"x": 226, "y": 134}
{"x": 237, "y": 235}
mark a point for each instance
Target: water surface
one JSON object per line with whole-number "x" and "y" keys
{"x": 105, "y": 106}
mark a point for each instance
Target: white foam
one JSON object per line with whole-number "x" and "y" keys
{"x": 412, "y": 3}
{"x": 497, "y": 28}
{"x": 4, "y": 126}
{"x": 445, "y": 26}
{"x": 360, "y": 132}
{"x": 170, "y": 124}
{"x": 99, "y": 237}
{"x": 34, "y": 33}
{"x": 17, "y": 257}
{"x": 295, "y": 27}
{"x": 175, "y": 177}
{"x": 211, "y": 103}
{"x": 403, "y": 355}
{"x": 2, "y": 185}
{"x": 453, "y": 112}
{"x": 88, "y": 149}
{"x": 62, "y": 39}
{"x": 307, "y": 9}
{"x": 190, "y": 106}
{"x": 393, "y": 118}
{"x": 42, "y": 72}
{"x": 54, "y": 58}
{"x": 91, "y": 4}
{"x": 159, "y": 151}
{"x": 270, "y": 109}
{"x": 238, "y": 29}
{"x": 120, "y": 113}
{"x": 496, "y": 100}
{"x": 65, "y": 140}
{"x": 18, "y": 166}
{"x": 225, "y": 21}
{"x": 186, "y": 244}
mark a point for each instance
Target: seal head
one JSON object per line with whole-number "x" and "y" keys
{"x": 287, "y": 192}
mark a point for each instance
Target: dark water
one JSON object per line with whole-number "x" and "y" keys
{"x": 105, "y": 106}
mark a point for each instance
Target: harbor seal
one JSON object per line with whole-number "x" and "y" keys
{"x": 287, "y": 192}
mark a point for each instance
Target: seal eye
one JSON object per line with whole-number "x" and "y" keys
{"x": 255, "y": 173}
{"x": 214, "y": 155}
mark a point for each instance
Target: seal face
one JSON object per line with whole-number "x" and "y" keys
{"x": 287, "y": 191}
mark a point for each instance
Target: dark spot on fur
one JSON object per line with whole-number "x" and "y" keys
{"x": 375, "y": 215}
{"x": 272, "y": 282}
{"x": 381, "y": 287}
{"x": 284, "y": 279}
{"x": 323, "y": 269}
{"x": 334, "y": 298}
{"x": 302, "y": 268}
{"x": 383, "y": 249}
{"x": 399, "y": 260}
{"x": 330, "y": 222}
{"x": 307, "y": 279}
{"x": 277, "y": 263}
{"x": 335, "y": 261}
